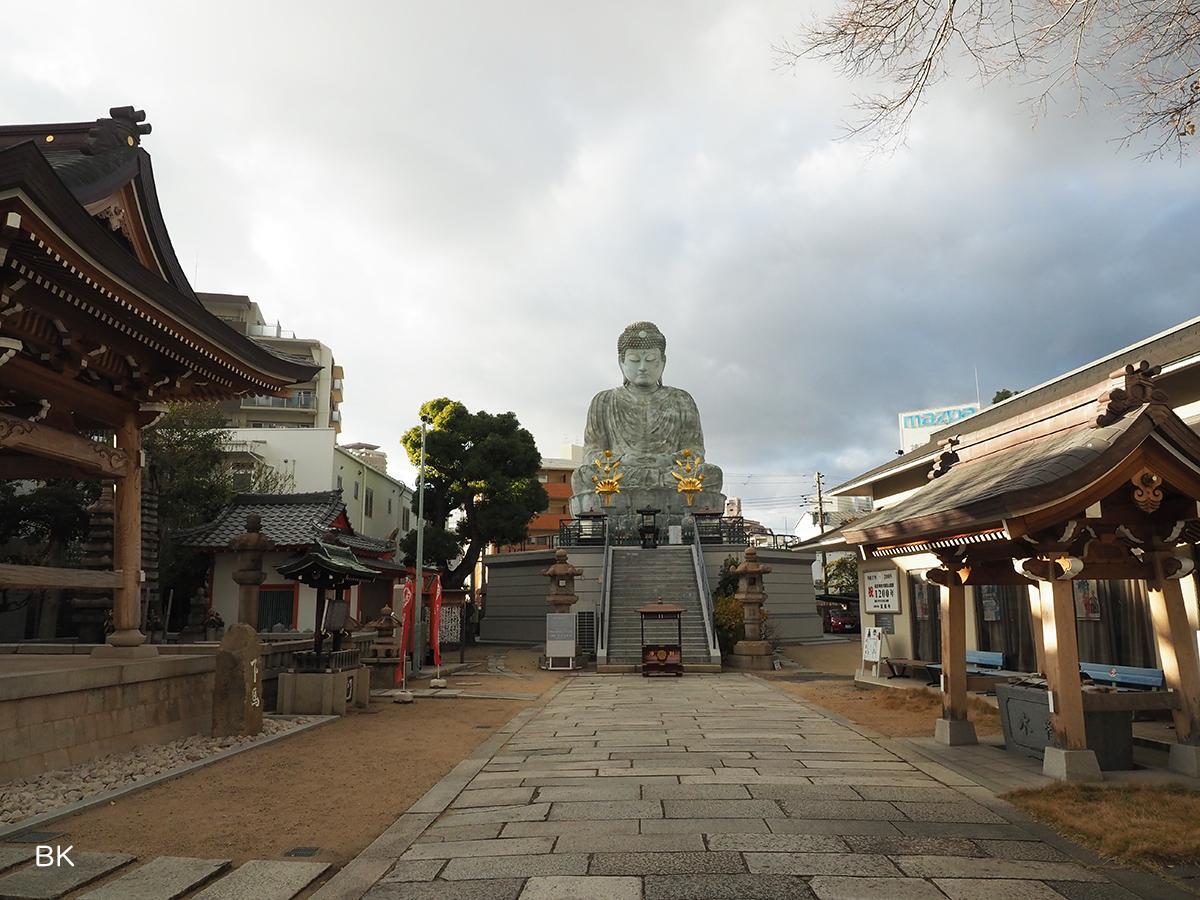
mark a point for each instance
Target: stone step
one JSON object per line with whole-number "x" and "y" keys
{"x": 164, "y": 878}
{"x": 264, "y": 879}
{"x": 14, "y": 854}
{"x": 51, "y": 882}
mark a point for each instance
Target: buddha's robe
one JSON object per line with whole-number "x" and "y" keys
{"x": 647, "y": 432}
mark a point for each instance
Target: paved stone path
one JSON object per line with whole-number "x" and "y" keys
{"x": 713, "y": 787}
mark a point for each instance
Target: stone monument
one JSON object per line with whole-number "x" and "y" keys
{"x": 752, "y": 652}
{"x": 237, "y": 688}
{"x": 643, "y": 444}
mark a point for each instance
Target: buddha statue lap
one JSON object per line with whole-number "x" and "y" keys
{"x": 643, "y": 444}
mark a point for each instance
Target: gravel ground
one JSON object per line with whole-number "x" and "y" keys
{"x": 26, "y": 797}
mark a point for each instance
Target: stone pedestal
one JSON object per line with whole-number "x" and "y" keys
{"x": 1071, "y": 765}
{"x": 237, "y": 689}
{"x": 1185, "y": 759}
{"x": 751, "y": 655}
{"x": 954, "y": 732}
{"x": 324, "y": 693}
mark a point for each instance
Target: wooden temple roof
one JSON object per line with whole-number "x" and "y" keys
{"x": 92, "y": 296}
{"x": 1013, "y": 484}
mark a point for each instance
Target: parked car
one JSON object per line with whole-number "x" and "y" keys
{"x": 830, "y": 605}
{"x": 843, "y": 622}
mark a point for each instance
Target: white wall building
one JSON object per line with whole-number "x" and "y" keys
{"x": 310, "y": 459}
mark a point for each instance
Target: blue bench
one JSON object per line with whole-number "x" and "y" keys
{"x": 1123, "y": 676}
{"x": 979, "y": 662}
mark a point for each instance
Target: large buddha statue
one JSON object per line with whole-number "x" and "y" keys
{"x": 643, "y": 445}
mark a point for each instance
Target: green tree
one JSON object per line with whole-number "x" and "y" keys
{"x": 40, "y": 524}
{"x": 1004, "y": 394}
{"x": 481, "y": 485}
{"x": 188, "y": 449}
{"x": 843, "y": 575}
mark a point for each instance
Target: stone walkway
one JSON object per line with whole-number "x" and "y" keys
{"x": 713, "y": 787}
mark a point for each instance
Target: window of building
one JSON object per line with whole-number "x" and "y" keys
{"x": 368, "y": 503}
{"x": 389, "y": 506}
{"x": 356, "y": 490}
{"x": 405, "y": 525}
{"x": 544, "y": 479}
{"x": 339, "y": 483}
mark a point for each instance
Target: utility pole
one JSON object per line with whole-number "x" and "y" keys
{"x": 419, "y": 649}
{"x": 821, "y": 526}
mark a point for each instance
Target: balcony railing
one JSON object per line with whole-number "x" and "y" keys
{"x": 274, "y": 331}
{"x": 301, "y": 401}
{"x": 708, "y": 529}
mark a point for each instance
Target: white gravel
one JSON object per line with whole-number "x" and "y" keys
{"x": 27, "y": 797}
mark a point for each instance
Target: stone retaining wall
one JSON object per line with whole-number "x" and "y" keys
{"x": 54, "y": 719}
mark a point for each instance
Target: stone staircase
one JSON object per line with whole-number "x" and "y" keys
{"x": 640, "y": 577}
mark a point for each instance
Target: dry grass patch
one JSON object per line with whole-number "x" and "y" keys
{"x": 1147, "y": 825}
{"x": 895, "y": 712}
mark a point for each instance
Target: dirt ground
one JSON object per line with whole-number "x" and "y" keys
{"x": 841, "y": 658}
{"x": 1146, "y": 825}
{"x": 893, "y": 712}
{"x": 336, "y": 786}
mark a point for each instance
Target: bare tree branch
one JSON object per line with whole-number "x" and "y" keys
{"x": 1142, "y": 55}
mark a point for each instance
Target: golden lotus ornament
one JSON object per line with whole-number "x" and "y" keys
{"x": 608, "y": 477}
{"x": 688, "y": 480}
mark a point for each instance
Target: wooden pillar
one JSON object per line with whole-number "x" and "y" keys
{"x": 1177, "y": 650}
{"x": 953, "y": 727}
{"x": 127, "y": 607}
{"x": 954, "y": 652}
{"x": 1035, "y": 617}
{"x": 1061, "y": 650}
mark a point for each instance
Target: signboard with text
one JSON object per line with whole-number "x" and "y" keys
{"x": 872, "y": 644}
{"x": 882, "y": 591}
{"x": 917, "y": 425}
{"x": 560, "y": 634}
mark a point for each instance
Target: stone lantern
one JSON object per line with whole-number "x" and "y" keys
{"x": 752, "y": 652}
{"x": 249, "y": 573}
{"x": 562, "y": 577}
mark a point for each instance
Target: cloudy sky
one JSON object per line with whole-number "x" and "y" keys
{"x": 472, "y": 199}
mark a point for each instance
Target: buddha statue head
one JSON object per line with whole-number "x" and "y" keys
{"x": 642, "y": 353}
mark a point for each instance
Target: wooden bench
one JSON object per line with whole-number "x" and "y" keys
{"x": 1123, "y": 676}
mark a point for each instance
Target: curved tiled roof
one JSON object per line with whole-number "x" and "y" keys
{"x": 290, "y": 520}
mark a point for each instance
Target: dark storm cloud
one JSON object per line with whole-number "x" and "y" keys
{"x": 472, "y": 200}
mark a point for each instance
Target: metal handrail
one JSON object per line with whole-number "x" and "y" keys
{"x": 605, "y": 595}
{"x": 714, "y": 652}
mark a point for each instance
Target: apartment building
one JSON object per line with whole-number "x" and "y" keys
{"x": 309, "y": 460}
{"x": 313, "y": 404}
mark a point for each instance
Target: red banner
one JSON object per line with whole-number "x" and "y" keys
{"x": 406, "y": 625}
{"x": 435, "y": 621}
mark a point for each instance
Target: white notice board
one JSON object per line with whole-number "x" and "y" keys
{"x": 883, "y": 591}
{"x": 560, "y": 634}
{"x": 872, "y": 644}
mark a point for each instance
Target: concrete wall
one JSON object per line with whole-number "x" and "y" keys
{"x": 791, "y": 605}
{"x": 516, "y": 606}
{"x": 55, "y": 719}
{"x": 516, "y": 591}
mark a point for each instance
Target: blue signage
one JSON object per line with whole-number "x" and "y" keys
{"x": 936, "y": 418}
